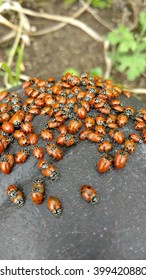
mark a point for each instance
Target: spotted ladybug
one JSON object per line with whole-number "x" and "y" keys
{"x": 54, "y": 206}
{"x": 104, "y": 163}
{"x": 89, "y": 194}
{"x": 15, "y": 195}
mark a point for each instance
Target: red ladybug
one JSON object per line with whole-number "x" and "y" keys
{"x": 116, "y": 135}
{"x": 94, "y": 136}
{"x": 50, "y": 171}
{"x": 100, "y": 129}
{"x": 15, "y": 195}
{"x": 81, "y": 112}
{"x": 17, "y": 119}
{"x": 23, "y": 141}
{"x": 47, "y": 134}
{"x": 129, "y": 111}
{"x": 120, "y": 159}
{"x": 122, "y": 119}
{"x": 28, "y": 117}
{"x": 139, "y": 125}
{"x": 83, "y": 134}
{"x": 1, "y": 147}
{"x": 10, "y": 158}
{"x": 3, "y": 95}
{"x": 89, "y": 122}
{"x": 5, "y": 166}
{"x": 38, "y": 191}
{"x": 8, "y": 127}
{"x": 74, "y": 125}
{"x": 38, "y": 152}
{"x": 33, "y": 138}
{"x": 63, "y": 129}
{"x": 22, "y": 155}
{"x": 27, "y": 127}
{"x": 126, "y": 93}
{"x": 135, "y": 137}
{"x": 89, "y": 194}
{"x": 54, "y": 151}
{"x": 130, "y": 146}
{"x": 54, "y": 205}
{"x": 18, "y": 133}
{"x": 105, "y": 146}
{"x": 104, "y": 163}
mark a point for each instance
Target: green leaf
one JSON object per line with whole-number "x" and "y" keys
{"x": 18, "y": 63}
{"x": 96, "y": 71}
{"x": 73, "y": 71}
{"x": 101, "y": 3}
{"x": 7, "y": 69}
{"x": 142, "y": 20}
{"x": 122, "y": 36}
{"x": 132, "y": 65}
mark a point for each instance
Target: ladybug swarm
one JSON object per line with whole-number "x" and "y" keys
{"x": 70, "y": 104}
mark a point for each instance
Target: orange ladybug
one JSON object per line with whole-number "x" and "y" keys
{"x": 89, "y": 194}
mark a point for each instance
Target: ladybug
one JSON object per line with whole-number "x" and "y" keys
{"x": 116, "y": 105}
{"x": 8, "y": 127}
{"x": 81, "y": 94}
{"x": 86, "y": 105}
{"x": 100, "y": 119}
{"x": 22, "y": 155}
{"x": 26, "y": 84}
{"x": 1, "y": 147}
{"x": 45, "y": 110}
{"x": 10, "y": 158}
{"x": 105, "y": 146}
{"x": 139, "y": 125}
{"x": 49, "y": 170}
{"x": 38, "y": 152}
{"x": 38, "y": 191}
{"x": 129, "y": 111}
{"x": 116, "y": 135}
{"x": 104, "y": 163}
{"x": 3, "y": 95}
{"x": 126, "y": 93}
{"x": 5, "y": 116}
{"x": 89, "y": 122}
{"x": 100, "y": 129}
{"x": 130, "y": 146}
{"x": 26, "y": 127}
{"x": 135, "y": 137}
{"x": 17, "y": 119}
{"x": 111, "y": 118}
{"x": 47, "y": 134}
{"x": 54, "y": 205}
{"x": 89, "y": 194}
{"x": 33, "y": 138}
{"x": 52, "y": 123}
{"x": 122, "y": 119}
{"x": 23, "y": 141}
{"x": 94, "y": 136}
{"x": 18, "y": 133}
{"x": 54, "y": 151}
{"x": 74, "y": 125}
{"x": 61, "y": 139}
{"x": 63, "y": 129}
{"x": 83, "y": 134}
{"x": 81, "y": 112}
{"x": 120, "y": 159}
{"x": 105, "y": 109}
{"x": 15, "y": 195}
{"x": 5, "y": 166}
{"x": 42, "y": 163}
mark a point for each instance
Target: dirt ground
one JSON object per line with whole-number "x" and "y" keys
{"x": 50, "y": 54}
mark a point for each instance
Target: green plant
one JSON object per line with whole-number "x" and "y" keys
{"x": 14, "y": 76}
{"x": 96, "y": 71}
{"x": 73, "y": 71}
{"x": 94, "y": 3}
{"x": 129, "y": 52}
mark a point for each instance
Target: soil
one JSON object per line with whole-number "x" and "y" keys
{"x": 51, "y": 54}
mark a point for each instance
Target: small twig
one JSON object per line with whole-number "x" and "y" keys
{"x": 7, "y": 23}
{"x": 107, "y": 60}
{"x": 138, "y": 90}
{"x": 96, "y": 16}
{"x": 135, "y": 15}
{"x": 8, "y": 37}
{"x": 61, "y": 24}
{"x": 81, "y": 25}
